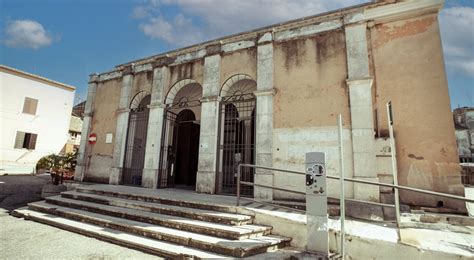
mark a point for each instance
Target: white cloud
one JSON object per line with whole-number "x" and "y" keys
{"x": 179, "y": 31}
{"x": 223, "y": 17}
{"x": 26, "y": 34}
{"x": 457, "y": 33}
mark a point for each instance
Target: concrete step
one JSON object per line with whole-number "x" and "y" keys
{"x": 196, "y": 226}
{"x": 150, "y": 197}
{"x": 236, "y": 248}
{"x": 151, "y": 246}
{"x": 193, "y": 213}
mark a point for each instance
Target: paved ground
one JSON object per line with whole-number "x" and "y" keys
{"x": 17, "y": 190}
{"x": 22, "y": 239}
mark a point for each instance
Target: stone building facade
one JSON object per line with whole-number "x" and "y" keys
{"x": 464, "y": 125}
{"x": 270, "y": 95}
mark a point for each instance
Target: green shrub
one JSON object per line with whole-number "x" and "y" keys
{"x": 60, "y": 165}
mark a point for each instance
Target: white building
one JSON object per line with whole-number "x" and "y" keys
{"x": 34, "y": 118}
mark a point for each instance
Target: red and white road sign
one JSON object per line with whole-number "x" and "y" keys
{"x": 92, "y": 138}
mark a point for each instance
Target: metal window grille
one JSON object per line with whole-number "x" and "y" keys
{"x": 135, "y": 146}
{"x": 236, "y": 142}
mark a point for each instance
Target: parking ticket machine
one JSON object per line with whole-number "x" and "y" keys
{"x": 316, "y": 203}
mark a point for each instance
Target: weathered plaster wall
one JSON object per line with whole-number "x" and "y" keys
{"x": 409, "y": 71}
{"x": 142, "y": 81}
{"x": 190, "y": 70}
{"x": 104, "y": 121}
{"x": 239, "y": 62}
{"x": 310, "y": 77}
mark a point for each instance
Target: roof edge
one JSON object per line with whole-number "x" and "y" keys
{"x": 25, "y": 74}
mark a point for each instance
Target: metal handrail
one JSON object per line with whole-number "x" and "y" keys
{"x": 434, "y": 193}
{"x": 342, "y": 199}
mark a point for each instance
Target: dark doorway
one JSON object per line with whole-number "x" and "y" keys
{"x": 187, "y": 148}
{"x": 136, "y": 143}
{"x": 180, "y": 150}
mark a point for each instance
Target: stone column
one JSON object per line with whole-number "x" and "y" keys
{"x": 155, "y": 127}
{"x": 123, "y": 113}
{"x": 206, "y": 176}
{"x": 86, "y": 126}
{"x": 264, "y": 117}
{"x": 360, "y": 95}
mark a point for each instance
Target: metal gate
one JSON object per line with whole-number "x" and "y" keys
{"x": 169, "y": 140}
{"x": 168, "y": 150}
{"x": 236, "y": 143}
{"x": 135, "y": 146}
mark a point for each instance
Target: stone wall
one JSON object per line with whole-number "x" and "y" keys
{"x": 409, "y": 71}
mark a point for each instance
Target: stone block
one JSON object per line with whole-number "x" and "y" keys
{"x": 267, "y": 37}
{"x": 363, "y": 143}
{"x": 264, "y": 159}
{"x": 385, "y": 178}
{"x": 264, "y": 143}
{"x": 207, "y": 161}
{"x": 357, "y": 53}
{"x": 115, "y": 177}
{"x": 264, "y": 124}
{"x": 364, "y": 211}
{"x": 265, "y": 67}
{"x": 79, "y": 173}
{"x": 367, "y": 192}
{"x": 150, "y": 178}
{"x": 261, "y": 192}
{"x": 211, "y": 86}
{"x": 205, "y": 182}
{"x": 364, "y": 165}
{"x": 362, "y": 117}
{"x": 264, "y": 105}
{"x": 208, "y": 125}
{"x": 207, "y": 144}
{"x": 383, "y": 166}
{"x": 360, "y": 93}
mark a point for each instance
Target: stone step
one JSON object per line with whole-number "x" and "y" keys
{"x": 196, "y": 226}
{"x": 151, "y": 246}
{"x": 193, "y": 213}
{"x": 147, "y": 196}
{"x": 236, "y": 248}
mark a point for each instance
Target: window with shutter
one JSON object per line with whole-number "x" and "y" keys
{"x": 19, "y": 140}
{"x": 30, "y": 106}
{"x": 25, "y": 140}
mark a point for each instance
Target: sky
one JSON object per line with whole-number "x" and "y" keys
{"x": 66, "y": 40}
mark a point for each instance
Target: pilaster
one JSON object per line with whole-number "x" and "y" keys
{"x": 155, "y": 127}
{"x": 206, "y": 176}
{"x": 86, "y": 126}
{"x": 360, "y": 95}
{"x": 264, "y": 117}
{"x": 123, "y": 113}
